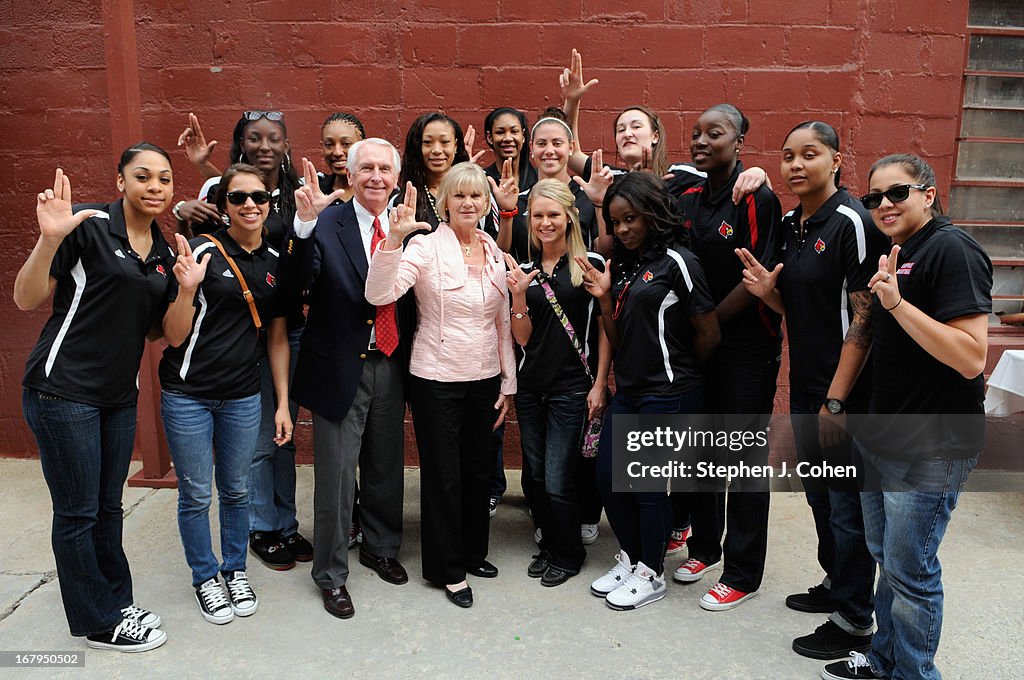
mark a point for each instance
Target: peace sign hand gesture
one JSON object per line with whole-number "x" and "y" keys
{"x": 884, "y": 283}
{"x": 601, "y": 178}
{"x": 310, "y": 200}
{"x": 53, "y": 210}
{"x": 506, "y": 193}
{"x": 759, "y": 281}
{"x": 517, "y": 280}
{"x": 596, "y": 282}
{"x": 197, "y": 148}
{"x": 571, "y": 79}
{"x": 187, "y": 270}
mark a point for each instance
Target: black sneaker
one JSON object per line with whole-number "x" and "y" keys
{"x": 854, "y": 668}
{"x": 817, "y": 600}
{"x": 829, "y": 641}
{"x": 267, "y": 546}
{"x": 492, "y": 506}
{"x": 301, "y": 549}
{"x": 213, "y": 602}
{"x": 128, "y": 636}
{"x": 540, "y": 564}
{"x": 143, "y": 617}
{"x": 240, "y": 593}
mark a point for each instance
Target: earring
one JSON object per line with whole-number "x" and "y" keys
{"x": 241, "y": 157}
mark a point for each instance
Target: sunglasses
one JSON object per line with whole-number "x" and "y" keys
{"x": 240, "y": 197}
{"x": 269, "y": 115}
{"x": 896, "y": 194}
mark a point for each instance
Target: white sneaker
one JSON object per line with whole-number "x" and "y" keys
{"x": 589, "y": 533}
{"x": 128, "y": 636}
{"x": 213, "y": 602}
{"x": 615, "y": 577}
{"x": 143, "y": 617}
{"x": 642, "y": 587}
{"x": 692, "y": 570}
{"x": 243, "y": 598}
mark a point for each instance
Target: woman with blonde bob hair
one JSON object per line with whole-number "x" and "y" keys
{"x": 462, "y": 367}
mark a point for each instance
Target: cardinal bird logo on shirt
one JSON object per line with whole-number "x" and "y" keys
{"x": 725, "y": 230}
{"x": 819, "y": 246}
{"x": 648, "y": 276}
{"x": 687, "y": 224}
{"x": 271, "y": 281}
{"x": 160, "y": 270}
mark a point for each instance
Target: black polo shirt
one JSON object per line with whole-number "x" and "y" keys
{"x": 656, "y": 356}
{"x": 106, "y": 300}
{"x": 219, "y": 357}
{"x": 835, "y": 255}
{"x": 527, "y": 173}
{"x": 521, "y": 222}
{"x": 550, "y": 363}
{"x": 683, "y": 176}
{"x": 946, "y": 274}
{"x": 715, "y": 227}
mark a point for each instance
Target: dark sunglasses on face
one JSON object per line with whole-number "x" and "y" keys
{"x": 240, "y": 197}
{"x": 269, "y": 115}
{"x": 896, "y": 194}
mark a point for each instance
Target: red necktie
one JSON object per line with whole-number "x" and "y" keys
{"x": 387, "y": 326}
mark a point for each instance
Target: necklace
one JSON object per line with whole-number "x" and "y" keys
{"x": 433, "y": 204}
{"x": 468, "y": 249}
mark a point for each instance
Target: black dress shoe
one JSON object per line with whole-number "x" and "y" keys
{"x": 540, "y": 564}
{"x": 338, "y": 603}
{"x": 555, "y": 576}
{"x": 484, "y": 570}
{"x": 388, "y": 568}
{"x": 463, "y": 598}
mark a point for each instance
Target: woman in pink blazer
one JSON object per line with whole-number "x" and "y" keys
{"x": 462, "y": 367}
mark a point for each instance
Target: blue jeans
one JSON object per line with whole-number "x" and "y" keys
{"x": 904, "y": 529}
{"x": 272, "y": 475}
{"x": 551, "y": 430}
{"x": 195, "y": 427}
{"x": 84, "y": 452}
{"x": 641, "y": 521}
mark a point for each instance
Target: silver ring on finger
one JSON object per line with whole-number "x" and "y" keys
{"x": 888, "y": 276}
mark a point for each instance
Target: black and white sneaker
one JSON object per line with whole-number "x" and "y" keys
{"x": 271, "y": 550}
{"x": 128, "y": 636}
{"x": 143, "y": 617}
{"x": 213, "y": 602}
{"x": 856, "y": 668}
{"x": 243, "y": 598}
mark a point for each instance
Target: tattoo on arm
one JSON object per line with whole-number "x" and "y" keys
{"x": 860, "y": 328}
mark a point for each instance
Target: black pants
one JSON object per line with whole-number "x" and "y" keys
{"x": 749, "y": 388}
{"x": 453, "y": 431}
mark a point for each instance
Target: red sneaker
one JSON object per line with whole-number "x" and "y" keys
{"x": 677, "y": 542}
{"x": 692, "y": 570}
{"x": 722, "y": 597}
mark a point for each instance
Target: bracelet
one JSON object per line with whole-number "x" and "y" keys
{"x": 176, "y": 208}
{"x": 597, "y": 205}
{"x": 889, "y": 309}
{"x": 509, "y": 213}
{"x": 521, "y": 315}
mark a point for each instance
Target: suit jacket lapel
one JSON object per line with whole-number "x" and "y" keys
{"x": 351, "y": 241}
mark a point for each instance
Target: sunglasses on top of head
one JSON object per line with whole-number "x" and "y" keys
{"x": 240, "y": 197}
{"x": 269, "y": 115}
{"x": 896, "y": 194}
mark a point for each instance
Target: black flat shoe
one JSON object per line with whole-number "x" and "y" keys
{"x": 555, "y": 576}
{"x": 463, "y": 598}
{"x": 540, "y": 564}
{"x": 483, "y": 570}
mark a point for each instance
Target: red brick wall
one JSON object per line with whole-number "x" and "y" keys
{"x": 886, "y": 73}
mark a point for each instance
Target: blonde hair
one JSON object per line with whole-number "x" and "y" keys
{"x": 461, "y": 177}
{"x": 559, "y": 192}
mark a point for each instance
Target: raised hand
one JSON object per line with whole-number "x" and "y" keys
{"x": 646, "y": 163}
{"x": 759, "y": 281}
{"x": 53, "y": 210}
{"x": 402, "y": 220}
{"x": 571, "y": 81}
{"x": 596, "y": 282}
{"x": 506, "y": 192}
{"x": 884, "y": 283}
{"x": 470, "y": 140}
{"x": 310, "y": 200}
{"x": 749, "y": 181}
{"x": 197, "y": 148}
{"x": 189, "y": 272}
{"x": 601, "y": 178}
{"x": 517, "y": 280}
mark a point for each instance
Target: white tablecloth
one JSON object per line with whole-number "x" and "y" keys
{"x": 1006, "y": 385}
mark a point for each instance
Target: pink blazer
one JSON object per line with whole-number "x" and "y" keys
{"x": 459, "y": 337}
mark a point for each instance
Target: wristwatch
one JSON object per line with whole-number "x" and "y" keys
{"x": 835, "y": 406}
{"x": 521, "y": 315}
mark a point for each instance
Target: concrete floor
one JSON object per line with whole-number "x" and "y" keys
{"x": 516, "y": 628}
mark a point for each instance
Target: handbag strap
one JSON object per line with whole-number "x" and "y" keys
{"x": 246, "y": 293}
{"x": 560, "y": 313}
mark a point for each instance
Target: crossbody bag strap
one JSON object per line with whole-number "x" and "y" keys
{"x": 246, "y": 293}
{"x": 560, "y": 313}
